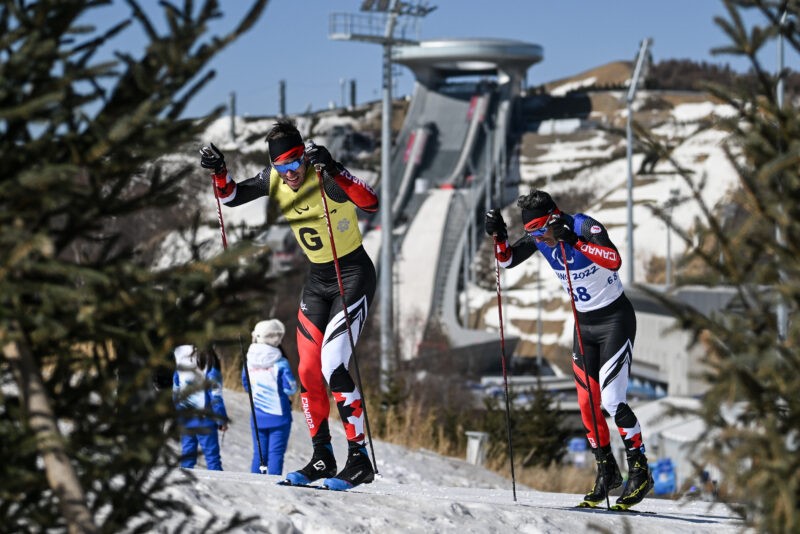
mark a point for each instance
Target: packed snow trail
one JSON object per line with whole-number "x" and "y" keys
{"x": 386, "y": 506}
{"x": 418, "y": 492}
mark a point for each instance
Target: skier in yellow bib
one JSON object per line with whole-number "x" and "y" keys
{"x": 322, "y": 338}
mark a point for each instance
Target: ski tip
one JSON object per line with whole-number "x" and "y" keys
{"x": 295, "y": 478}
{"x": 337, "y": 484}
{"x": 308, "y": 486}
{"x": 589, "y": 505}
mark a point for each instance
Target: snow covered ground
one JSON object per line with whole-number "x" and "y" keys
{"x": 417, "y": 492}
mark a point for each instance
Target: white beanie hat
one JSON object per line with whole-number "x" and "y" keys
{"x": 185, "y": 356}
{"x": 269, "y": 332}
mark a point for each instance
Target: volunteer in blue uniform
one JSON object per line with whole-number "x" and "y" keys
{"x": 269, "y": 380}
{"x": 197, "y": 394}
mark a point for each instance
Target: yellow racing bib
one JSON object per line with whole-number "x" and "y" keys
{"x": 305, "y": 213}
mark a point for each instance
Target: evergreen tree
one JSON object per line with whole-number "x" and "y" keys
{"x": 537, "y": 428}
{"x": 543, "y": 424}
{"x": 752, "y": 407}
{"x": 87, "y": 200}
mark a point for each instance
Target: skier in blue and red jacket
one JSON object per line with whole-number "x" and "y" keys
{"x": 607, "y": 326}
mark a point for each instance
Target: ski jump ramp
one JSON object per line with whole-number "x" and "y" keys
{"x": 448, "y": 164}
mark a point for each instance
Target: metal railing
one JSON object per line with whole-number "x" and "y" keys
{"x": 371, "y": 27}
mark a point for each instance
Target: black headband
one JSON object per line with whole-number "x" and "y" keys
{"x": 536, "y": 204}
{"x": 280, "y": 146}
{"x": 540, "y": 211}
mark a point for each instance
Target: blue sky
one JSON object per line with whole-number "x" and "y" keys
{"x": 290, "y": 42}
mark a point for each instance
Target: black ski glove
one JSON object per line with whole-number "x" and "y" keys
{"x": 561, "y": 230}
{"x": 212, "y": 158}
{"x": 319, "y": 157}
{"x": 495, "y": 225}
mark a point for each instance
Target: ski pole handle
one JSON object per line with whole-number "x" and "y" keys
{"x": 311, "y": 145}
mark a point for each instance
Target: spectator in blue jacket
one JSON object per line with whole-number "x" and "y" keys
{"x": 197, "y": 393}
{"x": 271, "y": 383}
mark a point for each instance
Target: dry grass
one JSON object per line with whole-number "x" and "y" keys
{"x": 231, "y": 370}
{"x": 411, "y": 427}
{"x": 408, "y": 425}
{"x": 554, "y": 479}
{"x": 606, "y": 105}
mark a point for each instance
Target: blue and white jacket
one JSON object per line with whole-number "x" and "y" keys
{"x": 593, "y": 262}
{"x": 197, "y": 389}
{"x": 272, "y": 382}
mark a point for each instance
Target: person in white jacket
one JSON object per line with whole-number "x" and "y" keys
{"x": 271, "y": 384}
{"x": 197, "y": 393}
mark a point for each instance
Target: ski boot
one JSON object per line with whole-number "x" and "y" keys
{"x": 608, "y": 476}
{"x": 357, "y": 470}
{"x": 640, "y": 481}
{"x": 322, "y": 464}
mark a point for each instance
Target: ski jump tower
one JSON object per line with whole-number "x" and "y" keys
{"x": 450, "y": 163}
{"x": 453, "y": 140}
{"x": 434, "y": 61}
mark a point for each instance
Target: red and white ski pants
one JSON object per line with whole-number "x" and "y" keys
{"x": 323, "y": 343}
{"x": 608, "y": 335}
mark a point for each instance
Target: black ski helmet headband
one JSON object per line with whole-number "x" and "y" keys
{"x": 288, "y": 148}
{"x": 545, "y": 208}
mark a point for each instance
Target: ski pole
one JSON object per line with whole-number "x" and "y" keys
{"x": 261, "y": 466}
{"x": 346, "y": 312}
{"x": 583, "y": 361}
{"x": 505, "y": 376}
{"x": 219, "y": 216}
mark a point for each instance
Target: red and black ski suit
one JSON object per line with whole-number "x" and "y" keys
{"x": 607, "y": 323}
{"x": 322, "y": 338}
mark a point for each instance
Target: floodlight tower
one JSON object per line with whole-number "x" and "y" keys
{"x": 384, "y": 22}
{"x": 641, "y": 61}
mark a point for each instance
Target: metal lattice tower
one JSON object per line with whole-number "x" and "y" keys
{"x": 388, "y": 23}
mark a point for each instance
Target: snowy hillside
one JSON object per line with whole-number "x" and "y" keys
{"x": 418, "y": 492}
